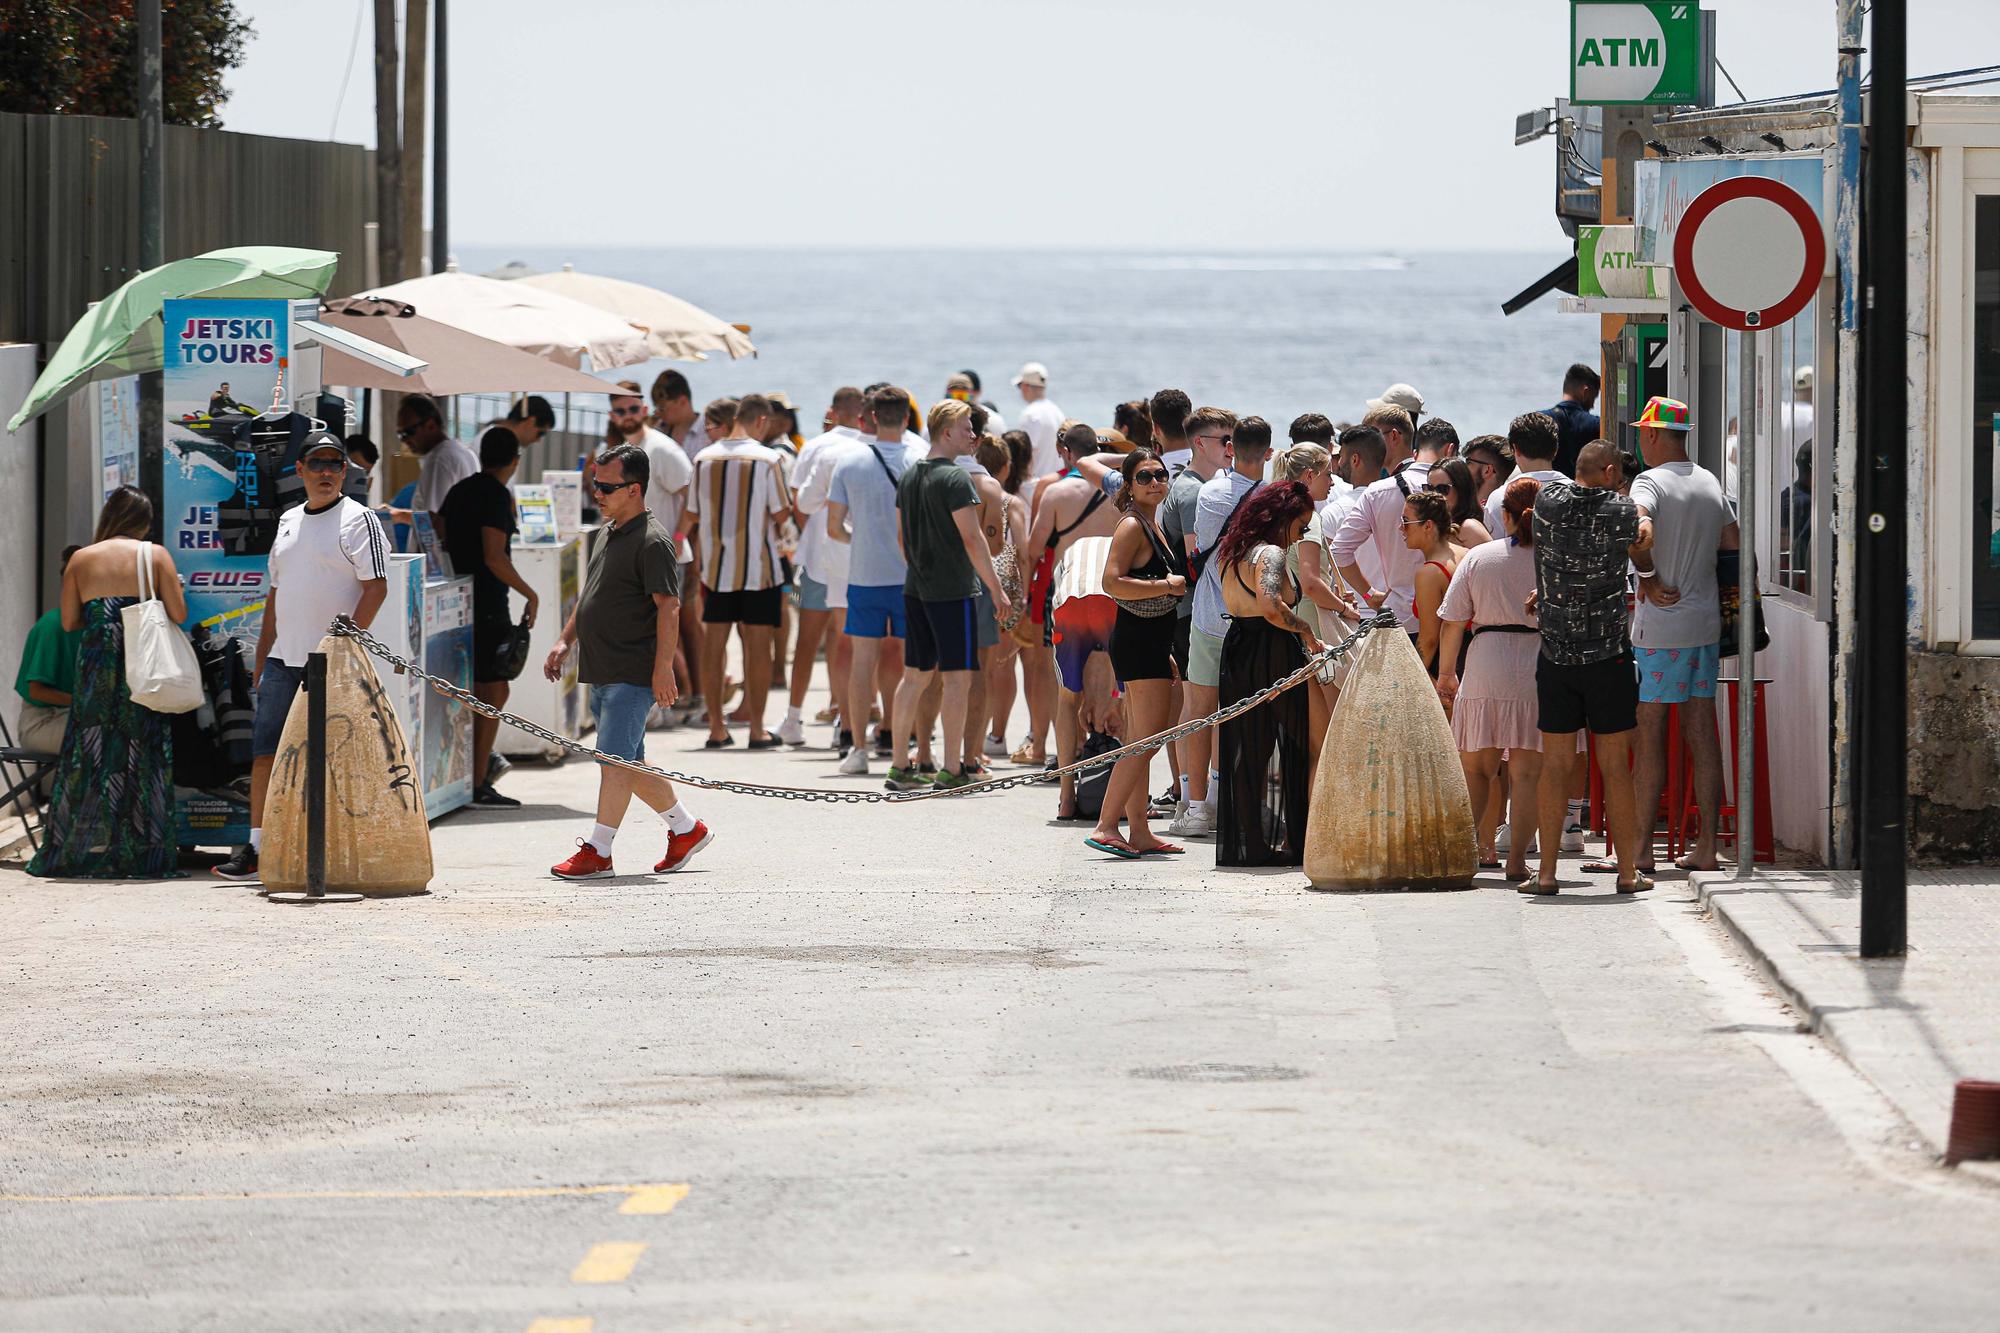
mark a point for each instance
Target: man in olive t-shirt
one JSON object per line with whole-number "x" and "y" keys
{"x": 937, "y": 512}
{"x": 624, "y": 629}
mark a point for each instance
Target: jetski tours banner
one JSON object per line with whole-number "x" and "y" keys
{"x": 225, "y": 364}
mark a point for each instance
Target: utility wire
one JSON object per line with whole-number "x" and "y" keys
{"x": 1732, "y": 81}
{"x": 353, "y": 45}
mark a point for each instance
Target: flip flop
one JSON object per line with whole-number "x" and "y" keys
{"x": 713, "y": 744}
{"x": 1165, "y": 849}
{"x": 765, "y": 742}
{"x": 1599, "y": 867}
{"x": 1118, "y": 850}
{"x": 1489, "y": 865}
{"x": 1639, "y": 885}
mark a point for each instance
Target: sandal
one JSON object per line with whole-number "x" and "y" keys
{"x": 724, "y": 743}
{"x": 1639, "y": 885}
{"x": 1110, "y": 848}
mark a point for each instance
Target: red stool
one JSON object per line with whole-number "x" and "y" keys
{"x": 1763, "y": 841}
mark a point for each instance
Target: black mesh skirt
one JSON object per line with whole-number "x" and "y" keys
{"x": 1266, "y": 754}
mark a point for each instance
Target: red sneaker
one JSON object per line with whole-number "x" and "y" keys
{"x": 586, "y": 864}
{"x": 681, "y": 848}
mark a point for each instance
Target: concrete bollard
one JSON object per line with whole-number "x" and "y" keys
{"x": 377, "y": 841}
{"x": 1390, "y": 807}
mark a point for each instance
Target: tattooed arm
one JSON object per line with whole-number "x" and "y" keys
{"x": 1270, "y": 561}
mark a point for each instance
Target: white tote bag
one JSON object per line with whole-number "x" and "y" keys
{"x": 160, "y": 669}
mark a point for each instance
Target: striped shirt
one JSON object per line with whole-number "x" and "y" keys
{"x": 738, "y": 494}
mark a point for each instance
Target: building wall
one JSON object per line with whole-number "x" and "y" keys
{"x": 1954, "y": 758}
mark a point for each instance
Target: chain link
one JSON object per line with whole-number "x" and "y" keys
{"x": 347, "y": 629}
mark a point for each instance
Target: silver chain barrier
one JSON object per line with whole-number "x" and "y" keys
{"x": 345, "y": 628}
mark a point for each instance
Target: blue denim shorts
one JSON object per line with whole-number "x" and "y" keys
{"x": 276, "y": 689}
{"x": 812, "y": 593}
{"x": 620, "y": 711}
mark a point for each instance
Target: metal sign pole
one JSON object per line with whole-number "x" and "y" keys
{"x": 1746, "y": 610}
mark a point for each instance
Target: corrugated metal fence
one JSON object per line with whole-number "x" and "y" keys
{"x": 69, "y": 208}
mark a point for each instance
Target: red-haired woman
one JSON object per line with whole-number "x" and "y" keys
{"x": 1266, "y": 642}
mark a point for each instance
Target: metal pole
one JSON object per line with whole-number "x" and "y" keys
{"x": 316, "y": 775}
{"x": 1746, "y": 610}
{"x": 1881, "y": 560}
{"x": 152, "y": 242}
{"x": 440, "y": 231}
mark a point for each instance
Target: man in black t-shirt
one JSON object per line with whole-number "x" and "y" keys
{"x": 479, "y": 526}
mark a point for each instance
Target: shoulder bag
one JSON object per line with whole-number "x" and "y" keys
{"x": 160, "y": 668}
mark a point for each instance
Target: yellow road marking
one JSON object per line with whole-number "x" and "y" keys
{"x": 562, "y": 1326}
{"x": 530, "y": 1192}
{"x": 610, "y": 1262}
{"x": 654, "y": 1199}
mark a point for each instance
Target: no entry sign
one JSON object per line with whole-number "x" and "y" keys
{"x": 1749, "y": 253}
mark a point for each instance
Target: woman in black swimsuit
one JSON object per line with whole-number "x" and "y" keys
{"x": 1266, "y": 642}
{"x": 1144, "y": 575}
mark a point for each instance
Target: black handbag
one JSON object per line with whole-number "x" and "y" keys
{"x": 1729, "y": 584}
{"x": 512, "y": 659}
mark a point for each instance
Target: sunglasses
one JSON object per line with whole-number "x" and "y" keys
{"x": 1149, "y": 475}
{"x": 627, "y": 411}
{"x": 319, "y": 463}
{"x": 607, "y": 487}
{"x": 1218, "y": 439}
{"x": 1439, "y": 488}
{"x": 405, "y": 432}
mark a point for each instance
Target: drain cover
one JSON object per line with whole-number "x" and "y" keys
{"x": 1209, "y": 1072}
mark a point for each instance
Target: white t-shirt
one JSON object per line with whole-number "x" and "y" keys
{"x": 823, "y": 558}
{"x": 1042, "y": 420}
{"x": 667, "y": 482}
{"x": 1689, "y": 514}
{"x": 1496, "y": 514}
{"x": 1341, "y": 498}
{"x": 441, "y": 469}
{"x": 318, "y": 564}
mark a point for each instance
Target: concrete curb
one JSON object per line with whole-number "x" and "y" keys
{"x": 1854, "y": 1005}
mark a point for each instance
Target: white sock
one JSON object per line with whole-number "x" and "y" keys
{"x": 1214, "y": 786}
{"x": 678, "y": 819}
{"x": 601, "y": 836}
{"x": 1183, "y": 789}
{"x": 257, "y": 840}
{"x": 1577, "y": 810}
{"x": 792, "y": 715}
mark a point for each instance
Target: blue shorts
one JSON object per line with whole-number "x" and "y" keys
{"x": 876, "y": 611}
{"x": 276, "y": 689}
{"x": 1675, "y": 675}
{"x": 812, "y": 593}
{"x": 987, "y": 622}
{"x": 944, "y": 636}
{"x": 621, "y": 712}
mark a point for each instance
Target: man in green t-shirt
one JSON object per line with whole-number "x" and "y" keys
{"x": 937, "y": 515}
{"x": 47, "y": 679}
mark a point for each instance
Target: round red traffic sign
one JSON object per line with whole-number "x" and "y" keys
{"x": 1749, "y": 253}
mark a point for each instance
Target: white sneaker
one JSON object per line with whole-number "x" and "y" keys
{"x": 856, "y": 763}
{"x": 1194, "y": 821}
{"x": 996, "y": 747}
{"x": 792, "y": 731}
{"x": 1502, "y": 839}
{"x": 1573, "y": 838}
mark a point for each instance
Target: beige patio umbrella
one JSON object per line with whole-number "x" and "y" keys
{"x": 460, "y": 362}
{"x": 676, "y": 330}
{"x": 541, "y": 323}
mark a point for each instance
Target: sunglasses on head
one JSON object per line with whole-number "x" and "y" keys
{"x": 607, "y": 487}
{"x": 324, "y": 463}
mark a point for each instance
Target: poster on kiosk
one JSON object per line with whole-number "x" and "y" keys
{"x": 225, "y": 479}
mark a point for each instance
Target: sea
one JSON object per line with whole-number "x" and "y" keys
{"x": 1270, "y": 334}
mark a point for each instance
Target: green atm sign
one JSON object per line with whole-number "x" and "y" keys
{"x": 1640, "y": 54}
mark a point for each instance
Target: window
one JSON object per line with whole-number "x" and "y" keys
{"x": 1789, "y": 514}
{"x": 1985, "y": 293}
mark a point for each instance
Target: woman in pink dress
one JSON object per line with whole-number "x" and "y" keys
{"x": 1494, "y": 713}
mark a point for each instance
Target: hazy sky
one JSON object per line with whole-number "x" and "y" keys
{"x": 1299, "y": 124}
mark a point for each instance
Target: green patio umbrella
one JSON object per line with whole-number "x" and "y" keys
{"x": 121, "y": 334}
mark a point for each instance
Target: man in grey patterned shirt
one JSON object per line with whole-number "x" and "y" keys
{"x": 1585, "y": 533}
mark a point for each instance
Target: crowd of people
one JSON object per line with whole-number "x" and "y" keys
{"x": 1119, "y": 579}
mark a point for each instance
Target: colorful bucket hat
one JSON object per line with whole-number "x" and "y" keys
{"x": 1666, "y": 413}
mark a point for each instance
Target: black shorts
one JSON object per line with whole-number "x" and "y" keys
{"x": 1183, "y": 626}
{"x": 1601, "y": 697}
{"x": 943, "y": 636}
{"x": 490, "y": 635}
{"x": 1142, "y": 647}
{"x": 764, "y": 606}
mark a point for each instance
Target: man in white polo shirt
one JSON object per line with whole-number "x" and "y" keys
{"x": 329, "y": 558}
{"x": 1041, "y": 419}
{"x": 1377, "y": 517}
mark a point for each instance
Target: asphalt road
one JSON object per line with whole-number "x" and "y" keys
{"x": 929, "y": 1068}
